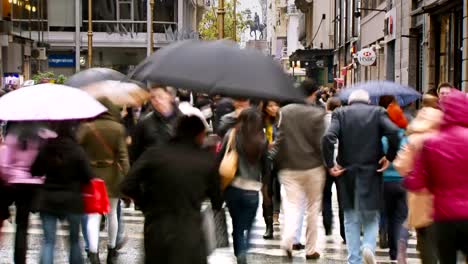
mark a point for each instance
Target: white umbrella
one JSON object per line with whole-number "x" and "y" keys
{"x": 48, "y": 101}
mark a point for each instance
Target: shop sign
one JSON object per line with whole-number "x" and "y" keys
{"x": 389, "y": 26}
{"x": 61, "y": 60}
{"x": 367, "y": 57}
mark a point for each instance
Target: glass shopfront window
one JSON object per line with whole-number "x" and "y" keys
{"x": 123, "y": 16}
{"x": 448, "y": 47}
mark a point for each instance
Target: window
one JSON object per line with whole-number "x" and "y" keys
{"x": 132, "y": 13}
{"x": 26, "y": 16}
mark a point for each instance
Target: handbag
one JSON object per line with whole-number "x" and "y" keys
{"x": 95, "y": 199}
{"x": 209, "y": 229}
{"x": 228, "y": 165}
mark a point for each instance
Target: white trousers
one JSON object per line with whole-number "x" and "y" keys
{"x": 94, "y": 221}
{"x": 302, "y": 187}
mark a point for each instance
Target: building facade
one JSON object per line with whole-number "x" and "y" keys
{"x": 120, "y": 30}
{"x": 301, "y": 38}
{"x": 416, "y": 42}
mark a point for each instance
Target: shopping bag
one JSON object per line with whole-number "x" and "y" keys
{"x": 228, "y": 166}
{"x": 95, "y": 199}
{"x": 208, "y": 228}
{"x": 221, "y": 232}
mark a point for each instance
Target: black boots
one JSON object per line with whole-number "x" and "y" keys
{"x": 112, "y": 256}
{"x": 269, "y": 228}
{"x": 383, "y": 239}
{"x": 94, "y": 258}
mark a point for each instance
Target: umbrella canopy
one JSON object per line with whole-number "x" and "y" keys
{"x": 119, "y": 93}
{"x": 92, "y": 75}
{"x": 404, "y": 94}
{"x": 218, "y": 68}
{"x": 48, "y": 102}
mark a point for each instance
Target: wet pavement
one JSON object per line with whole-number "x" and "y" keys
{"x": 262, "y": 251}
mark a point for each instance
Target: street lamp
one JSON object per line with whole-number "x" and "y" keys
{"x": 221, "y": 13}
{"x": 234, "y": 21}
{"x": 151, "y": 26}
{"x": 90, "y": 33}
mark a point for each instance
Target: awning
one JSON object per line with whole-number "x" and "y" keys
{"x": 312, "y": 58}
{"x": 310, "y": 54}
{"x": 434, "y": 6}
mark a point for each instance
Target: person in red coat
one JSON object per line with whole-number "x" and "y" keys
{"x": 442, "y": 168}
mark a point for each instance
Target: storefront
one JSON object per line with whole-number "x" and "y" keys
{"x": 445, "y": 36}
{"x": 317, "y": 63}
{"x": 448, "y": 52}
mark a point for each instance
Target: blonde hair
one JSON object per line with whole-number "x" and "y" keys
{"x": 430, "y": 101}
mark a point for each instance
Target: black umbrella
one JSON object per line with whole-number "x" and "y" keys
{"x": 93, "y": 75}
{"x": 218, "y": 68}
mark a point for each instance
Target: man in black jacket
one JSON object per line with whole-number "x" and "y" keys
{"x": 359, "y": 128}
{"x": 175, "y": 185}
{"x": 156, "y": 127}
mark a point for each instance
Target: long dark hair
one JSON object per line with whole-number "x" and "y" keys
{"x": 251, "y": 137}
{"x": 267, "y": 117}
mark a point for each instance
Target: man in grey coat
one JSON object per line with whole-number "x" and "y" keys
{"x": 359, "y": 128}
{"x": 301, "y": 172}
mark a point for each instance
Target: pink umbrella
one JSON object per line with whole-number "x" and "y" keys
{"x": 48, "y": 102}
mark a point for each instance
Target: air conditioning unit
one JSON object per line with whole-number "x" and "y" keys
{"x": 39, "y": 53}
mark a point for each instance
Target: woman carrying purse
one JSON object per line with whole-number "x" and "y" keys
{"x": 248, "y": 140}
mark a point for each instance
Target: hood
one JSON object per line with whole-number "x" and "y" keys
{"x": 113, "y": 111}
{"x": 427, "y": 119}
{"x": 455, "y": 108}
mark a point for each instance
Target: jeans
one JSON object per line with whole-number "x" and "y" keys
{"x": 354, "y": 220}
{"x": 396, "y": 212}
{"x": 84, "y": 230}
{"x": 49, "y": 225}
{"x": 242, "y": 207}
{"x": 327, "y": 211}
{"x": 451, "y": 238}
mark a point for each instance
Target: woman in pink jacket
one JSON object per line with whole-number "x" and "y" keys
{"x": 420, "y": 208}
{"x": 442, "y": 169}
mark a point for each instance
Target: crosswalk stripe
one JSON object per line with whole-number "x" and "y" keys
{"x": 331, "y": 247}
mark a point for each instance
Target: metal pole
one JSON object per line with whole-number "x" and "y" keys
{"x": 90, "y": 33}
{"x": 234, "y": 21}
{"x": 221, "y": 13}
{"x": 151, "y": 27}
{"x": 77, "y": 35}
{"x": 196, "y": 16}
{"x": 465, "y": 47}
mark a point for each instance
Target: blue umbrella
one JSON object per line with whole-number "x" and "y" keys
{"x": 404, "y": 94}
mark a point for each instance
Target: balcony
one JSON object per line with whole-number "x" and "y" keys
{"x": 105, "y": 33}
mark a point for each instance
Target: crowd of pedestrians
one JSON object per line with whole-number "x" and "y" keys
{"x": 393, "y": 173}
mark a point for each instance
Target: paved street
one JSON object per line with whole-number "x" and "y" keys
{"x": 331, "y": 248}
